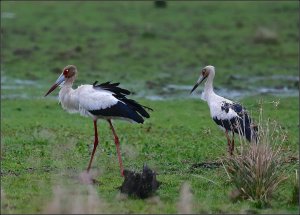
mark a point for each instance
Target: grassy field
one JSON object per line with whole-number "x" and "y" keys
{"x": 44, "y": 150}
{"x": 53, "y": 148}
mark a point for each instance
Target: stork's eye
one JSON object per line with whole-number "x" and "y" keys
{"x": 203, "y": 72}
{"x": 66, "y": 71}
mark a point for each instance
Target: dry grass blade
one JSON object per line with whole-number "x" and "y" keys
{"x": 75, "y": 200}
{"x": 256, "y": 169}
{"x": 185, "y": 203}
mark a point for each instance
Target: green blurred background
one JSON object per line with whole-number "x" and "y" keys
{"x": 148, "y": 48}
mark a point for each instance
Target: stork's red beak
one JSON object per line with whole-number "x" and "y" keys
{"x": 60, "y": 79}
{"x": 51, "y": 89}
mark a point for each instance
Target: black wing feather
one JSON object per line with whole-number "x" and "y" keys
{"x": 243, "y": 123}
{"x": 119, "y": 110}
{"x": 121, "y": 94}
{"x": 112, "y": 87}
{"x": 136, "y": 106}
{"x": 239, "y": 109}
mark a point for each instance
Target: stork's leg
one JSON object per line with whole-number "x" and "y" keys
{"x": 232, "y": 143}
{"x": 228, "y": 142}
{"x": 95, "y": 145}
{"x": 117, "y": 146}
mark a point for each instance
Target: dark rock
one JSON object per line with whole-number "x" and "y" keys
{"x": 45, "y": 28}
{"x": 148, "y": 35}
{"x": 160, "y": 4}
{"x": 140, "y": 185}
{"x": 22, "y": 52}
{"x": 239, "y": 24}
{"x": 78, "y": 49}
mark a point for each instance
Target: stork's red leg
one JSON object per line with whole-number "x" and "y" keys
{"x": 117, "y": 146}
{"x": 95, "y": 145}
{"x": 232, "y": 143}
{"x": 228, "y": 142}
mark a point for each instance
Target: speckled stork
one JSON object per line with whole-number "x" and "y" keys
{"x": 103, "y": 101}
{"x": 228, "y": 115}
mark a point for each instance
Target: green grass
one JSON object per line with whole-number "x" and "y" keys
{"x": 54, "y": 145}
{"x": 146, "y": 49}
{"x": 138, "y": 43}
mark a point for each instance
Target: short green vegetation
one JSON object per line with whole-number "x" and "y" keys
{"x": 42, "y": 145}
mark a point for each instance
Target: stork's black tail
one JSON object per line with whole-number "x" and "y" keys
{"x": 137, "y": 107}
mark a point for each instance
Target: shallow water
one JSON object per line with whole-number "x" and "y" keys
{"x": 8, "y": 15}
{"x": 183, "y": 91}
{"x": 28, "y": 89}
{"x": 271, "y": 77}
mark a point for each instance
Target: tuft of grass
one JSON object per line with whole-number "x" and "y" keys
{"x": 256, "y": 169}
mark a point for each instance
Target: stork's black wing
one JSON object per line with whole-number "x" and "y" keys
{"x": 119, "y": 109}
{"x": 121, "y": 94}
{"x": 241, "y": 124}
{"x": 112, "y": 87}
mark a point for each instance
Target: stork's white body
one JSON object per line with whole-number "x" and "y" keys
{"x": 85, "y": 98}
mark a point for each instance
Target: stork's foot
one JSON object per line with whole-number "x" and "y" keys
{"x": 230, "y": 143}
{"x": 232, "y": 147}
{"x": 87, "y": 178}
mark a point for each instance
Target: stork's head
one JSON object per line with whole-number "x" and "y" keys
{"x": 68, "y": 74}
{"x": 206, "y": 72}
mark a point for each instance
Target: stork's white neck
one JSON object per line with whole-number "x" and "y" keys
{"x": 66, "y": 88}
{"x": 67, "y": 97}
{"x": 208, "y": 87}
{"x": 69, "y": 82}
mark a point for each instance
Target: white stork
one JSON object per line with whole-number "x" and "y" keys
{"x": 104, "y": 101}
{"x": 228, "y": 115}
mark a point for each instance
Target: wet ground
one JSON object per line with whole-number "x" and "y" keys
{"x": 27, "y": 89}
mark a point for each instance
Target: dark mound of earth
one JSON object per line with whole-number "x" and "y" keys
{"x": 140, "y": 185}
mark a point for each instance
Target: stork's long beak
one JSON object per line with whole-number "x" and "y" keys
{"x": 60, "y": 79}
{"x": 201, "y": 78}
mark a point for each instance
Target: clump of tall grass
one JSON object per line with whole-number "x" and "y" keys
{"x": 256, "y": 169}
